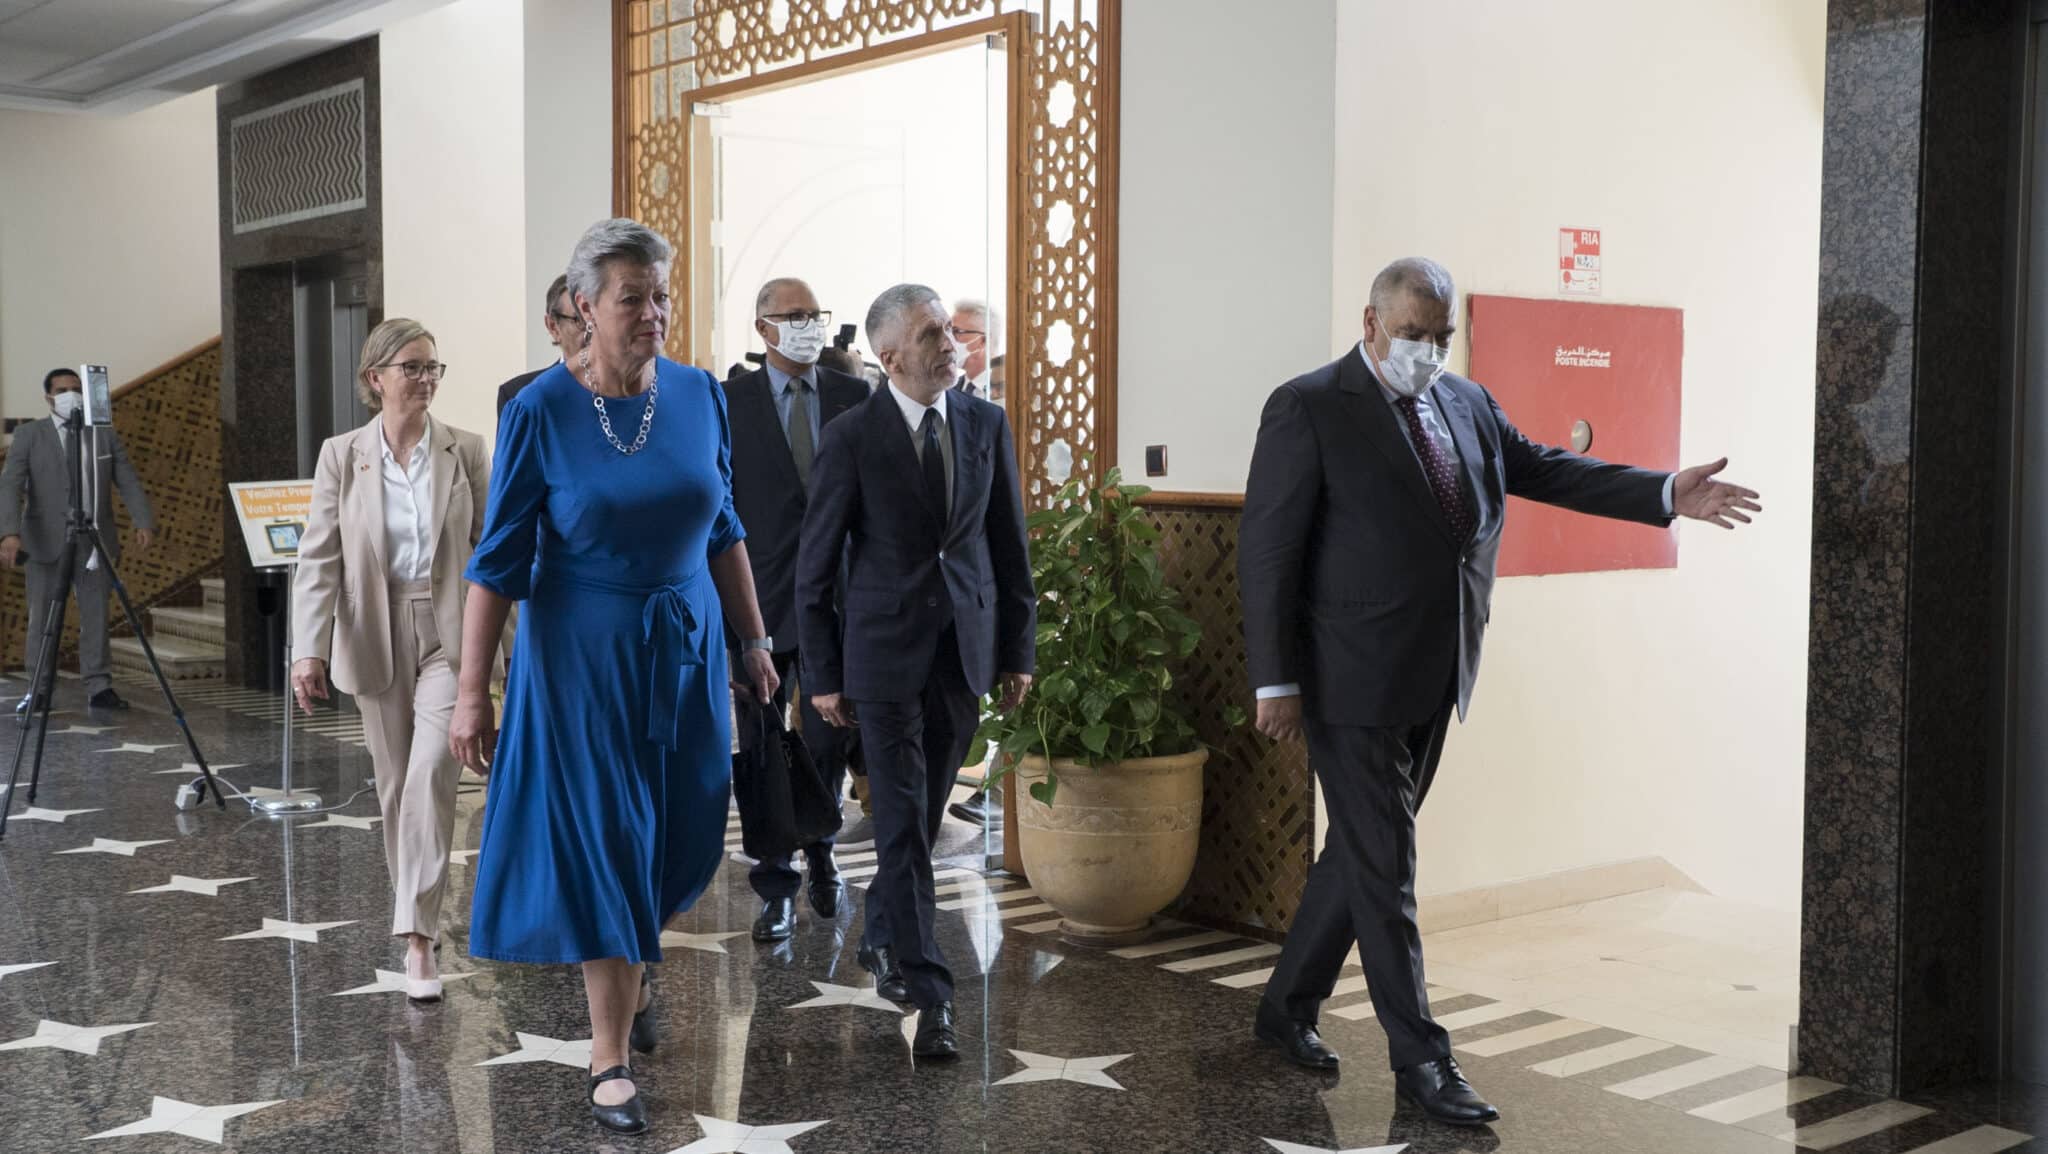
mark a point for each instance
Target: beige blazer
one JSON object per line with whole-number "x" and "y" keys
{"x": 341, "y": 600}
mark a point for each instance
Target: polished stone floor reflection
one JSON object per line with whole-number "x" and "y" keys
{"x": 206, "y": 980}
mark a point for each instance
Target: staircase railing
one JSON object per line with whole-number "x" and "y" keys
{"x": 169, "y": 422}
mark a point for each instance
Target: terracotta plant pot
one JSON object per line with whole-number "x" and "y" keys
{"x": 1117, "y": 843}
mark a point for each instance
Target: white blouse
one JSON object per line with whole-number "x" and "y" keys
{"x": 409, "y": 510}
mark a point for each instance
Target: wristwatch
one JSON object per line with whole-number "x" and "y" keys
{"x": 765, "y": 644}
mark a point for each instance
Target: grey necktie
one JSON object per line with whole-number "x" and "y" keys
{"x": 801, "y": 448}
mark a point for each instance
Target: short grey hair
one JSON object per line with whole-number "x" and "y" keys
{"x": 885, "y": 316}
{"x": 1416, "y": 274}
{"x": 766, "y": 296}
{"x": 619, "y": 238}
{"x": 991, "y": 320}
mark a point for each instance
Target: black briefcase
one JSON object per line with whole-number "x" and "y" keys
{"x": 785, "y": 803}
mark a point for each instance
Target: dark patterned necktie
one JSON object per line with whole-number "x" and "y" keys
{"x": 1443, "y": 476}
{"x": 934, "y": 463}
{"x": 801, "y": 449}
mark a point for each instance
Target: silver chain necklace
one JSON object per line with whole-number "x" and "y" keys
{"x": 604, "y": 419}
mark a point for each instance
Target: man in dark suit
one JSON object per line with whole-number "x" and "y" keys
{"x": 918, "y": 491}
{"x": 777, "y": 413}
{"x": 1372, "y": 520}
{"x": 565, "y": 332}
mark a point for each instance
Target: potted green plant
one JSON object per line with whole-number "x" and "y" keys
{"x": 1111, "y": 815}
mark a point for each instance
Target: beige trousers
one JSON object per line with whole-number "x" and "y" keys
{"x": 407, "y": 728}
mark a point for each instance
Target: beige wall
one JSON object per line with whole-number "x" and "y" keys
{"x": 497, "y": 155}
{"x": 109, "y": 242}
{"x": 1620, "y": 715}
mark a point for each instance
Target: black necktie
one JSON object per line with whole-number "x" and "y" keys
{"x": 934, "y": 463}
{"x": 801, "y": 448}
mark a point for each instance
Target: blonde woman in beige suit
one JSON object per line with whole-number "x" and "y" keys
{"x": 397, "y": 508}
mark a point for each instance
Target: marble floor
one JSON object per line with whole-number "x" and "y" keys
{"x": 206, "y": 980}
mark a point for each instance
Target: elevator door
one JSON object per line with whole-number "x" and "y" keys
{"x": 330, "y": 320}
{"x": 2026, "y": 933}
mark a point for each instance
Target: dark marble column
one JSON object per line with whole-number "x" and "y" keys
{"x": 259, "y": 395}
{"x": 1898, "y": 986}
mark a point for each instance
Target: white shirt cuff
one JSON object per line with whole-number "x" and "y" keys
{"x": 1290, "y": 689}
{"x": 1670, "y": 481}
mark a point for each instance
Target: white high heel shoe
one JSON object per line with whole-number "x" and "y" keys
{"x": 421, "y": 989}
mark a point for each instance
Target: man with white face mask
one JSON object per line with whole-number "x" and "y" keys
{"x": 37, "y": 474}
{"x": 777, "y": 413}
{"x": 1372, "y": 520}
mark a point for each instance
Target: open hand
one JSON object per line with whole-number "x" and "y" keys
{"x": 1015, "y": 686}
{"x": 1697, "y": 495}
{"x": 309, "y": 680}
{"x": 835, "y": 709}
{"x": 473, "y": 733}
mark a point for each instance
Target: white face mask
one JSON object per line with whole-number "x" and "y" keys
{"x": 67, "y": 403}
{"x": 1411, "y": 366}
{"x": 802, "y": 346}
{"x": 959, "y": 359}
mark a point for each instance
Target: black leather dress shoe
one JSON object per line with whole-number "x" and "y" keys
{"x": 21, "y": 711}
{"x": 935, "y": 1038}
{"x": 629, "y": 1116}
{"x": 826, "y": 890}
{"x": 107, "y": 699}
{"x": 889, "y": 983}
{"x": 777, "y": 920}
{"x": 1298, "y": 1040}
{"x": 645, "y": 1035}
{"x": 1440, "y": 1090}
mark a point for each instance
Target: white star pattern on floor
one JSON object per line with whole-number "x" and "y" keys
{"x": 192, "y": 768}
{"x": 131, "y": 747}
{"x": 170, "y": 1116}
{"x": 861, "y": 996}
{"x": 707, "y": 943}
{"x": 23, "y": 968}
{"x": 1297, "y": 1148}
{"x": 462, "y": 857}
{"x": 93, "y": 730}
{"x": 296, "y": 931}
{"x": 343, "y": 821}
{"x": 110, "y": 845}
{"x": 538, "y": 1048}
{"x": 77, "y": 1039}
{"x": 52, "y": 815}
{"x": 392, "y": 982}
{"x": 204, "y": 887}
{"x": 722, "y": 1137}
{"x": 1045, "y": 1068}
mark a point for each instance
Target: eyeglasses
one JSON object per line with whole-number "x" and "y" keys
{"x": 800, "y": 321}
{"x": 418, "y": 370}
{"x": 969, "y": 334}
{"x": 565, "y": 318}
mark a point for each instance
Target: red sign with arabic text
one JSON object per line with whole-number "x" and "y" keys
{"x": 1609, "y": 373}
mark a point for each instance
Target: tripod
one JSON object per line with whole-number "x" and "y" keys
{"x": 79, "y": 528}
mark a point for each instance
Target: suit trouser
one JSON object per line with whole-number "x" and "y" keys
{"x": 777, "y": 877}
{"x": 407, "y": 727}
{"x": 90, "y": 588}
{"x": 913, "y": 750}
{"x": 1362, "y": 887}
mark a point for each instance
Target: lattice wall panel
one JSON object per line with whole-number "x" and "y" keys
{"x": 1258, "y": 815}
{"x": 170, "y": 427}
{"x": 1060, "y": 354}
{"x": 299, "y": 160}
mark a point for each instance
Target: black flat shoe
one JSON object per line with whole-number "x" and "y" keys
{"x": 629, "y": 1116}
{"x": 889, "y": 983}
{"x": 1439, "y": 1089}
{"x": 107, "y": 699}
{"x": 777, "y": 920}
{"x": 1298, "y": 1040}
{"x": 644, "y": 1036}
{"x": 935, "y": 1039}
{"x": 825, "y": 895}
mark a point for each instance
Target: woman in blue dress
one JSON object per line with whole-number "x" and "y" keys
{"x": 611, "y": 517}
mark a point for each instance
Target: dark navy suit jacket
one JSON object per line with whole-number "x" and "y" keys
{"x": 910, "y": 569}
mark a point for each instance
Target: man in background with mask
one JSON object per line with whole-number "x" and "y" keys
{"x": 979, "y": 331}
{"x": 1372, "y": 520}
{"x": 777, "y": 414}
{"x": 38, "y": 472}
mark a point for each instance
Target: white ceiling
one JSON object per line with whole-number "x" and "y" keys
{"x": 115, "y": 56}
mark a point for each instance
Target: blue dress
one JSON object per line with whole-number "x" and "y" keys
{"x": 607, "y": 800}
